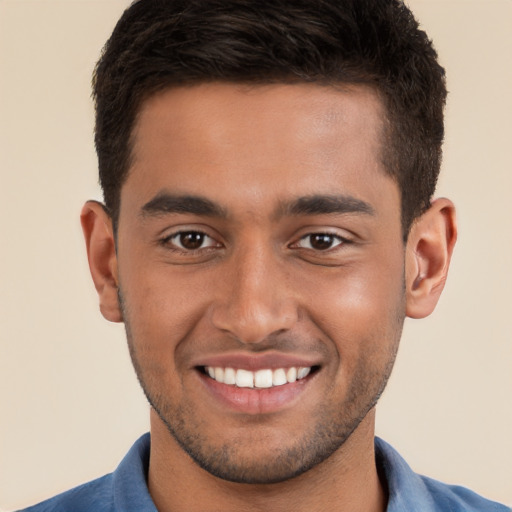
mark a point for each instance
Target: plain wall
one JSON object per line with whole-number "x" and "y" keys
{"x": 70, "y": 405}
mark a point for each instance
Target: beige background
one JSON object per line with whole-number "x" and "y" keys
{"x": 70, "y": 405}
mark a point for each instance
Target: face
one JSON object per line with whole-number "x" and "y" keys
{"x": 261, "y": 270}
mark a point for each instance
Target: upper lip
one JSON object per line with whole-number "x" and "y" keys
{"x": 254, "y": 362}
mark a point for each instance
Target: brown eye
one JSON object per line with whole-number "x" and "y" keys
{"x": 320, "y": 241}
{"x": 191, "y": 240}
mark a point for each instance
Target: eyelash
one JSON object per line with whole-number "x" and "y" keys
{"x": 169, "y": 244}
{"x": 341, "y": 241}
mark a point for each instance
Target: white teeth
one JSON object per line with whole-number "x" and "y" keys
{"x": 265, "y": 378}
{"x": 303, "y": 372}
{"x": 244, "y": 379}
{"x": 219, "y": 374}
{"x": 291, "y": 374}
{"x": 229, "y": 376}
{"x": 279, "y": 377}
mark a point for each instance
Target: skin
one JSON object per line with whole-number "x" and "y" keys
{"x": 261, "y": 283}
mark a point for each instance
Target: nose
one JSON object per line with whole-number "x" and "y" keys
{"x": 255, "y": 300}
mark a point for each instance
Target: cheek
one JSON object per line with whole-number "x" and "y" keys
{"x": 161, "y": 310}
{"x": 360, "y": 309}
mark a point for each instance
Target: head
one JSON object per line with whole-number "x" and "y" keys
{"x": 162, "y": 44}
{"x": 263, "y": 164}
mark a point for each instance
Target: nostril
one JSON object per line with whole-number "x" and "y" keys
{"x": 253, "y": 325}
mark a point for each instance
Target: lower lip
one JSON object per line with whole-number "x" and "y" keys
{"x": 255, "y": 400}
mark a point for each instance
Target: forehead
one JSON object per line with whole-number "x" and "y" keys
{"x": 220, "y": 138}
{"x": 205, "y": 110}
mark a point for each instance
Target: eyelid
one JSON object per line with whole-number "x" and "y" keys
{"x": 345, "y": 237}
{"x": 340, "y": 241}
{"x": 167, "y": 240}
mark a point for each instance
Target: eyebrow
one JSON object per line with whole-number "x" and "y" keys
{"x": 165, "y": 203}
{"x": 324, "y": 205}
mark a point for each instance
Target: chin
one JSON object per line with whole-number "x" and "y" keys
{"x": 263, "y": 456}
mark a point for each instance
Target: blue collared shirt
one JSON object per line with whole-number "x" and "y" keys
{"x": 125, "y": 490}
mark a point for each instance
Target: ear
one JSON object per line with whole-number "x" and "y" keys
{"x": 428, "y": 253}
{"x": 101, "y": 252}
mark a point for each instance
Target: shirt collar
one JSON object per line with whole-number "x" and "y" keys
{"x": 407, "y": 491}
{"x": 130, "y": 488}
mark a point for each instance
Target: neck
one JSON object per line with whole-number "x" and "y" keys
{"x": 346, "y": 481}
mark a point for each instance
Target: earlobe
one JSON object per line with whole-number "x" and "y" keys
{"x": 429, "y": 249}
{"x": 101, "y": 253}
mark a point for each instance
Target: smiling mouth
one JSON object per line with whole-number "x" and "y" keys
{"x": 260, "y": 379}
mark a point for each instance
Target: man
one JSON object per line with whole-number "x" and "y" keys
{"x": 268, "y": 172}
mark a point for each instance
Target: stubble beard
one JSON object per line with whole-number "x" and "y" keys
{"x": 231, "y": 461}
